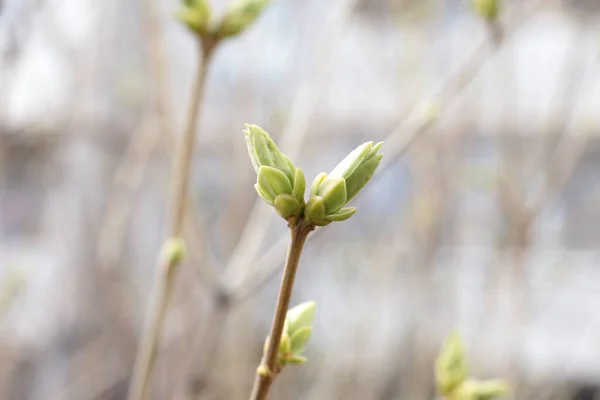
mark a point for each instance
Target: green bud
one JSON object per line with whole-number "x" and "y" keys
{"x": 299, "y": 339}
{"x": 347, "y": 166}
{"x": 341, "y": 215}
{"x": 285, "y": 345}
{"x": 173, "y": 250}
{"x": 264, "y": 152}
{"x": 287, "y": 206}
{"x": 488, "y": 9}
{"x": 333, "y": 192}
{"x": 273, "y": 182}
{"x": 195, "y": 14}
{"x": 363, "y": 173}
{"x": 315, "y": 211}
{"x": 240, "y": 16}
{"x": 301, "y": 316}
{"x": 299, "y": 185}
{"x": 451, "y": 366}
{"x": 316, "y": 182}
{"x": 295, "y": 359}
{"x": 475, "y": 390}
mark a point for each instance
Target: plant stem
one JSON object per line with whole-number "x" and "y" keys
{"x": 167, "y": 269}
{"x": 262, "y": 383}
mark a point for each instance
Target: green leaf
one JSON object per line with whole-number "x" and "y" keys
{"x": 265, "y": 196}
{"x": 196, "y": 15}
{"x": 315, "y": 209}
{"x": 299, "y": 185}
{"x": 300, "y": 338}
{"x": 345, "y": 168}
{"x": 264, "y": 152}
{"x": 286, "y": 205}
{"x": 301, "y": 316}
{"x": 451, "y": 365}
{"x": 361, "y": 175}
{"x": 333, "y": 192}
{"x": 341, "y": 215}
{"x": 476, "y": 390}
{"x": 285, "y": 345}
{"x": 316, "y": 182}
{"x": 240, "y": 16}
{"x": 273, "y": 182}
{"x": 295, "y": 359}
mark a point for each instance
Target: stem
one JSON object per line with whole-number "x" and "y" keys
{"x": 262, "y": 383}
{"x": 167, "y": 270}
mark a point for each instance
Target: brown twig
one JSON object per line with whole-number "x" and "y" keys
{"x": 269, "y": 365}
{"x": 167, "y": 271}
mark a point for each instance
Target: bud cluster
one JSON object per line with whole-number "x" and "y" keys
{"x": 296, "y": 333}
{"x": 452, "y": 375}
{"x": 282, "y": 185}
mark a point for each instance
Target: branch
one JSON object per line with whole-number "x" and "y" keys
{"x": 166, "y": 275}
{"x": 269, "y": 366}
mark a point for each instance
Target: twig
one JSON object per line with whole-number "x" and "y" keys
{"x": 167, "y": 271}
{"x": 130, "y": 172}
{"x": 269, "y": 365}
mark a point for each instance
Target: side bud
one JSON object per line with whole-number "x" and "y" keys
{"x": 287, "y": 206}
{"x": 314, "y": 212}
{"x": 173, "y": 250}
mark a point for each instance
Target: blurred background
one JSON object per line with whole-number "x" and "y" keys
{"x": 484, "y": 217}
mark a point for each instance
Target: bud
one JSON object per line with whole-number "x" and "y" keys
{"x": 488, "y": 9}
{"x": 296, "y": 333}
{"x": 475, "y": 390}
{"x": 195, "y": 14}
{"x": 173, "y": 250}
{"x": 240, "y": 16}
{"x": 451, "y": 366}
{"x": 279, "y": 183}
{"x": 314, "y": 211}
{"x": 287, "y": 206}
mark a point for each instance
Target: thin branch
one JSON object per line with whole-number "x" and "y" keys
{"x": 166, "y": 275}
{"x": 265, "y": 378}
{"x": 130, "y": 172}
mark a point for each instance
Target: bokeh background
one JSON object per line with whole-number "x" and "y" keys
{"x": 484, "y": 217}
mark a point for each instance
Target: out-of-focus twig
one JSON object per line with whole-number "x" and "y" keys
{"x": 166, "y": 274}
{"x": 155, "y": 126}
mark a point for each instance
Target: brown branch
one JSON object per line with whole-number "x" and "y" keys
{"x": 266, "y": 376}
